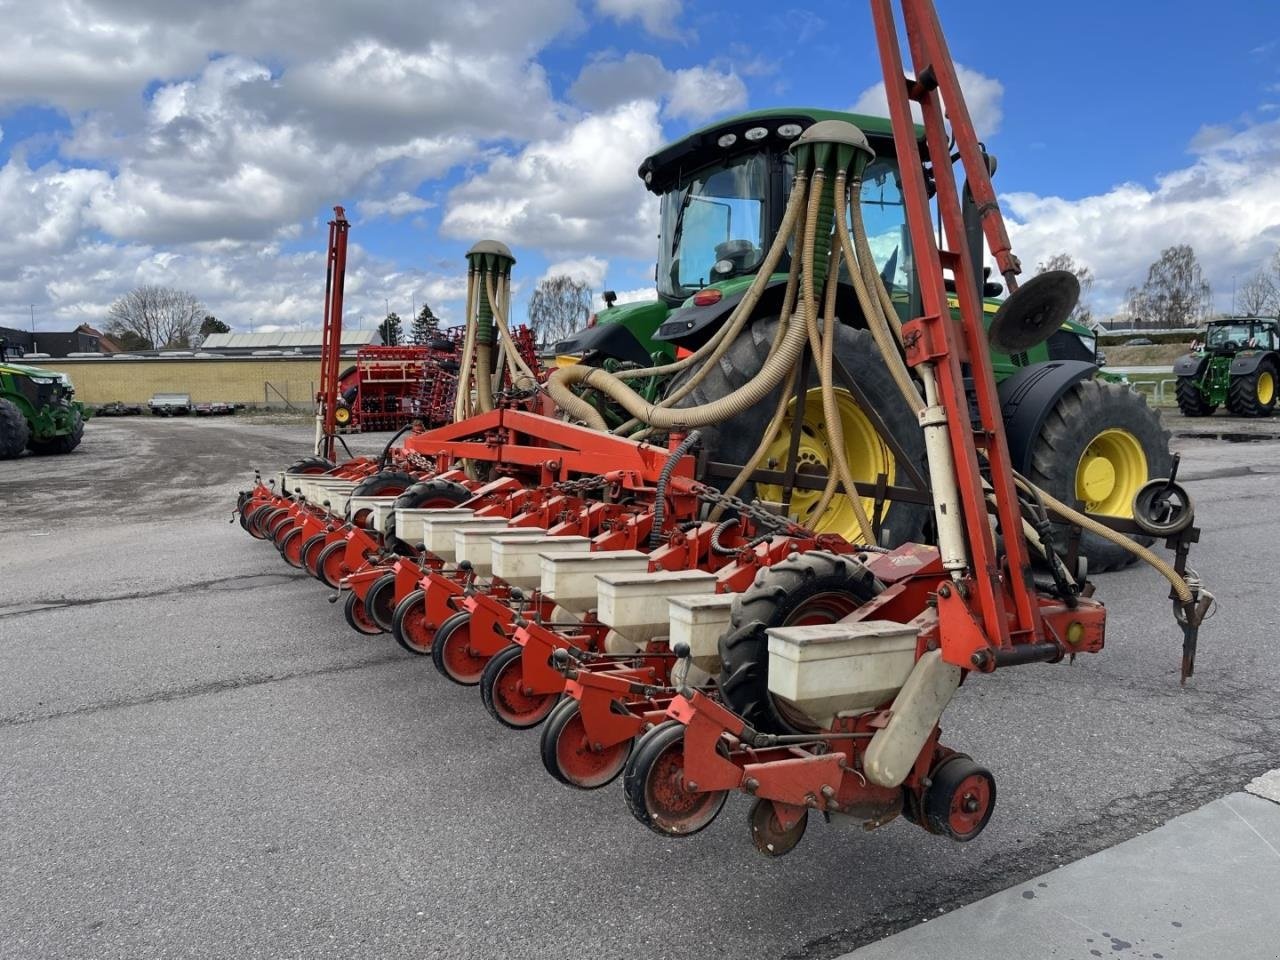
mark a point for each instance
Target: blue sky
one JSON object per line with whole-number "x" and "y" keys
{"x": 202, "y": 147}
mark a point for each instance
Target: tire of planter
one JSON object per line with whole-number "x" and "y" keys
{"x": 1244, "y": 396}
{"x": 14, "y": 432}
{"x": 1191, "y": 402}
{"x": 432, "y": 493}
{"x": 1082, "y": 414}
{"x": 806, "y": 588}
{"x": 311, "y": 465}
{"x": 64, "y": 443}
{"x": 387, "y": 483}
{"x": 735, "y": 440}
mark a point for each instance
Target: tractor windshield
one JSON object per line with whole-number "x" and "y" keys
{"x": 1240, "y": 336}
{"x": 713, "y": 226}
{"x": 719, "y": 223}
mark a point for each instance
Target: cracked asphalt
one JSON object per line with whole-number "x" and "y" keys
{"x": 198, "y": 758}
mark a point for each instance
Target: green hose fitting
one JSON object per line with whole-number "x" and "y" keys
{"x": 830, "y": 147}
{"x": 488, "y": 258}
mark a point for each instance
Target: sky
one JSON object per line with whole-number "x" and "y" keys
{"x": 203, "y": 145}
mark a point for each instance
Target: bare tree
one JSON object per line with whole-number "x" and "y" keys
{"x": 1257, "y": 296}
{"x": 1083, "y": 313}
{"x": 1175, "y": 293}
{"x": 152, "y": 316}
{"x": 559, "y": 306}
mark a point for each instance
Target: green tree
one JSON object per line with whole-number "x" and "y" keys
{"x": 559, "y": 306}
{"x": 390, "y": 330}
{"x": 212, "y": 324}
{"x": 426, "y": 326}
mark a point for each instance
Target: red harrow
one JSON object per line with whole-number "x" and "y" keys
{"x": 701, "y": 644}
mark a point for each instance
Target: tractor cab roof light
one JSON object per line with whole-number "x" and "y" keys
{"x": 727, "y": 140}
{"x": 756, "y": 133}
{"x": 789, "y": 130}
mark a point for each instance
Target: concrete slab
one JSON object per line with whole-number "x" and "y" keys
{"x": 1266, "y": 786}
{"x": 1202, "y": 887}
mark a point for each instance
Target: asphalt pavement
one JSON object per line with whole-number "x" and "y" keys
{"x": 199, "y": 758}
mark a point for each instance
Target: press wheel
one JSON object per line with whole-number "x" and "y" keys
{"x": 657, "y": 792}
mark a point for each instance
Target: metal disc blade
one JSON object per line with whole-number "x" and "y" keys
{"x": 1034, "y": 311}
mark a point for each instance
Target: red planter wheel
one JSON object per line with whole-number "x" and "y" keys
{"x": 657, "y": 792}
{"x": 291, "y": 548}
{"x": 451, "y": 651}
{"x": 358, "y": 617}
{"x": 409, "y": 624}
{"x": 570, "y": 756}
{"x": 505, "y": 696}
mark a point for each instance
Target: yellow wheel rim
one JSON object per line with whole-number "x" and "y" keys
{"x": 1266, "y": 387}
{"x": 341, "y": 415}
{"x": 866, "y": 453}
{"x": 1111, "y": 470}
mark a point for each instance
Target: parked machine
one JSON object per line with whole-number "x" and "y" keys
{"x": 765, "y": 565}
{"x": 1237, "y": 364}
{"x": 38, "y": 411}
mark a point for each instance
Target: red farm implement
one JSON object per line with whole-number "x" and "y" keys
{"x": 576, "y": 546}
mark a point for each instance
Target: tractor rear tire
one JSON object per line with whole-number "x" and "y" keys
{"x": 14, "y": 431}
{"x": 61, "y": 444}
{"x": 1083, "y": 417}
{"x": 735, "y": 440}
{"x": 1191, "y": 401}
{"x": 808, "y": 588}
{"x": 1254, "y": 394}
{"x": 432, "y": 494}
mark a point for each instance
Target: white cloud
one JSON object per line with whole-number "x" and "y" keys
{"x": 696, "y": 93}
{"x": 576, "y": 194}
{"x": 700, "y": 93}
{"x": 1226, "y": 204}
{"x": 590, "y": 270}
{"x": 402, "y": 204}
{"x": 983, "y": 95}
{"x": 658, "y": 16}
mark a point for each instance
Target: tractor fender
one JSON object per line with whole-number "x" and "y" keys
{"x": 1189, "y": 365}
{"x": 611, "y": 339}
{"x": 696, "y": 323}
{"x": 1243, "y": 364}
{"x": 1027, "y": 398}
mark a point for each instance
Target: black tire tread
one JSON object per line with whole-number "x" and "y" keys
{"x": 778, "y": 590}
{"x": 1191, "y": 402}
{"x": 1242, "y": 392}
{"x": 14, "y": 430}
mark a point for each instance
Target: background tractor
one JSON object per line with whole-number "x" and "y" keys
{"x": 1091, "y": 442}
{"x": 37, "y": 410}
{"x": 1236, "y": 364}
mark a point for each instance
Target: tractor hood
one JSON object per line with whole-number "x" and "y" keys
{"x": 626, "y": 332}
{"x": 35, "y": 373}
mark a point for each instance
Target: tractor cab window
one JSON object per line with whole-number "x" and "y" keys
{"x": 713, "y": 227}
{"x": 1234, "y": 336}
{"x": 885, "y": 217}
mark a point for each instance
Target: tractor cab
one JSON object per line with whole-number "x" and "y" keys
{"x": 1236, "y": 334}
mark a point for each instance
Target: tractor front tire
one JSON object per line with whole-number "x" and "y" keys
{"x": 63, "y": 443}
{"x": 14, "y": 432}
{"x": 1254, "y": 394}
{"x": 1097, "y": 448}
{"x": 1191, "y": 401}
{"x": 736, "y": 439}
{"x": 808, "y": 588}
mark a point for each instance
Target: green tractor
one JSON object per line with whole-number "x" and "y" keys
{"x": 38, "y": 409}
{"x": 1237, "y": 364}
{"x": 1083, "y": 437}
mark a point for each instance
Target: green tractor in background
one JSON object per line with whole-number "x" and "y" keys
{"x": 1236, "y": 364}
{"x": 1086, "y": 439}
{"x": 38, "y": 409}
